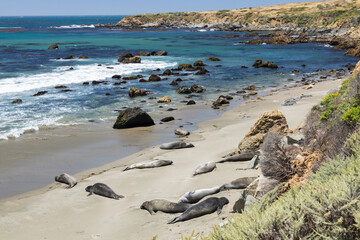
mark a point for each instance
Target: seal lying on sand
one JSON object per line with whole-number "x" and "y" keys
{"x": 102, "y": 190}
{"x": 164, "y": 206}
{"x": 205, "y": 168}
{"x": 67, "y": 179}
{"x": 239, "y": 183}
{"x": 205, "y": 207}
{"x": 149, "y": 164}
{"x": 245, "y": 156}
{"x": 176, "y": 145}
{"x": 197, "y": 195}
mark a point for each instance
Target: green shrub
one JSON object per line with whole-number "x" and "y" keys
{"x": 352, "y": 115}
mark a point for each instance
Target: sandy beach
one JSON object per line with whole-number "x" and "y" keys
{"x": 55, "y": 212}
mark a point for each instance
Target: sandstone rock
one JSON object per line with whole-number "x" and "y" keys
{"x": 133, "y": 117}
{"x": 165, "y": 99}
{"x": 271, "y": 120}
{"x": 181, "y": 132}
{"x": 124, "y": 56}
{"x": 54, "y": 46}
{"x": 117, "y": 76}
{"x": 184, "y": 66}
{"x": 214, "y": 59}
{"x": 167, "y": 119}
{"x": 40, "y": 93}
{"x": 135, "y": 59}
{"x": 183, "y": 90}
{"x": 251, "y": 87}
{"x": 135, "y": 92}
{"x": 196, "y": 89}
{"x": 17, "y": 101}
{"x": 144, "y": 54}
{"x": 199, "y": 63}
{"x": 161, "y": 53}
{"x": 154, "y": 78}
{"x": 83, "y": 57}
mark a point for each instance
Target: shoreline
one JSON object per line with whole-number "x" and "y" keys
{"x": 122, "y": 219}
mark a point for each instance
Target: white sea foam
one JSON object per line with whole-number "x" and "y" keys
{"x": 81, "y": 73}
{"x": 73, "y": 26}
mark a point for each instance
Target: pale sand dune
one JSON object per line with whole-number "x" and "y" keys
{"x": 61, "y": 213}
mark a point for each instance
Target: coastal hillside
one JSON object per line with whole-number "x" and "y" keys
{"x": 336, "y": 14}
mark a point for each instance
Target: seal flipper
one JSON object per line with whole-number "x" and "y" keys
{"x": 218, "y": 211}
{"x": 175, "y": 220}
{"x": 117, "y": 197}
{"x": 127, "y": 168}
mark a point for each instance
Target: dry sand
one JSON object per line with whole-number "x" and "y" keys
{"x": 59, "y": 213}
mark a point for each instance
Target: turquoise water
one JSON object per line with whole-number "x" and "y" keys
{"x": 27, "y": 66}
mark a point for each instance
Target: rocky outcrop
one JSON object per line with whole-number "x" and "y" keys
{"x": 135, "y": 92}
{"x": 268, "y": 121}
{"x": 124, "y": 56}
{"x": 260, "y": 64}
{"x": 133, "y": 117}
{"x": 54, "y": 46}
{"x": 165, "y": 99}
{"x": 135, "y": 59}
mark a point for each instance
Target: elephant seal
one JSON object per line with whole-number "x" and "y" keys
{"x": 149, "y": 164}
{"x": 67, "y": 179}
{"x": 102, "y": 190}
{"x": 176, "y": 145}
{"x": 164, "y": 206}
{"x": 205, "y": 207}
{"x": 205, "y": 168}
{"x": 245, "y": 156}
{"x": 240, "y": 183}
{"x": 197, "y": 195}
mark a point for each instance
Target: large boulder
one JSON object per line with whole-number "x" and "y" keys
{"x": 154, "y": 78}
{"x": 161, "y": 53}
{"x": 133, "y": 117}
{"x": 124, "y": 56}
{"x": 135, "y": 92}
{"x": 271, "y": 120}
{"x": 165, "y": 99}
{"x": 136, "y": 59}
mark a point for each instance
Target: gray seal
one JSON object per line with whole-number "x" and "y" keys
{"x": 245, "y": 156}
{"x": 164, "y": 206}
{"x": 197, "y": 195}
{"x": 240, "y": 183}
{"x": 149, "y": 164}
{"x": 102, "y": 190}
{"x": 176, "y": 145}
{"x": 205, "y": 207}
{"x": 205, "y": 168}
{"x": 67, "y": 179}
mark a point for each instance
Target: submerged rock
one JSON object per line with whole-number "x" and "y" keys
{"x": 40, "y": 93}
{"x": 199, "y": 64}
{"x": 154, "y": 78}
{"x": 54, "y": 46}
{"x": 16, "y": 101}
{"x": 214, "y": 59}
{"x": 196, "y": 89}
{"x": 133, "y": 117}
{"x": 260, "y": 64}
{"x": 184, "y": 66}
{"x": 183, "y": 90}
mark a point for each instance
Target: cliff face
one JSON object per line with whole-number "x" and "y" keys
{"x": 336, "y": 14}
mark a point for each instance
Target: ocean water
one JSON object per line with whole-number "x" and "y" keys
{"x": 27, "y": 67}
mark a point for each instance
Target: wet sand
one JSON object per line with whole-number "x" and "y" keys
{"x": 55, "y": 212}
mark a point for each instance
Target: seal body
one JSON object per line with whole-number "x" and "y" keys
{"x": 197, "y": 195}
{"x": 205, "y": 168}
{"x": 205, "y": 207}
{"x": 67, "y": 179}
{"x": 164, "y": 206}
{"x": 102, "y": 190}
{"x": 176, "y": 145}
{"x": 245, "y": 156}
{"x": 239, "y": 183}
{"x": 149, "y": 164}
